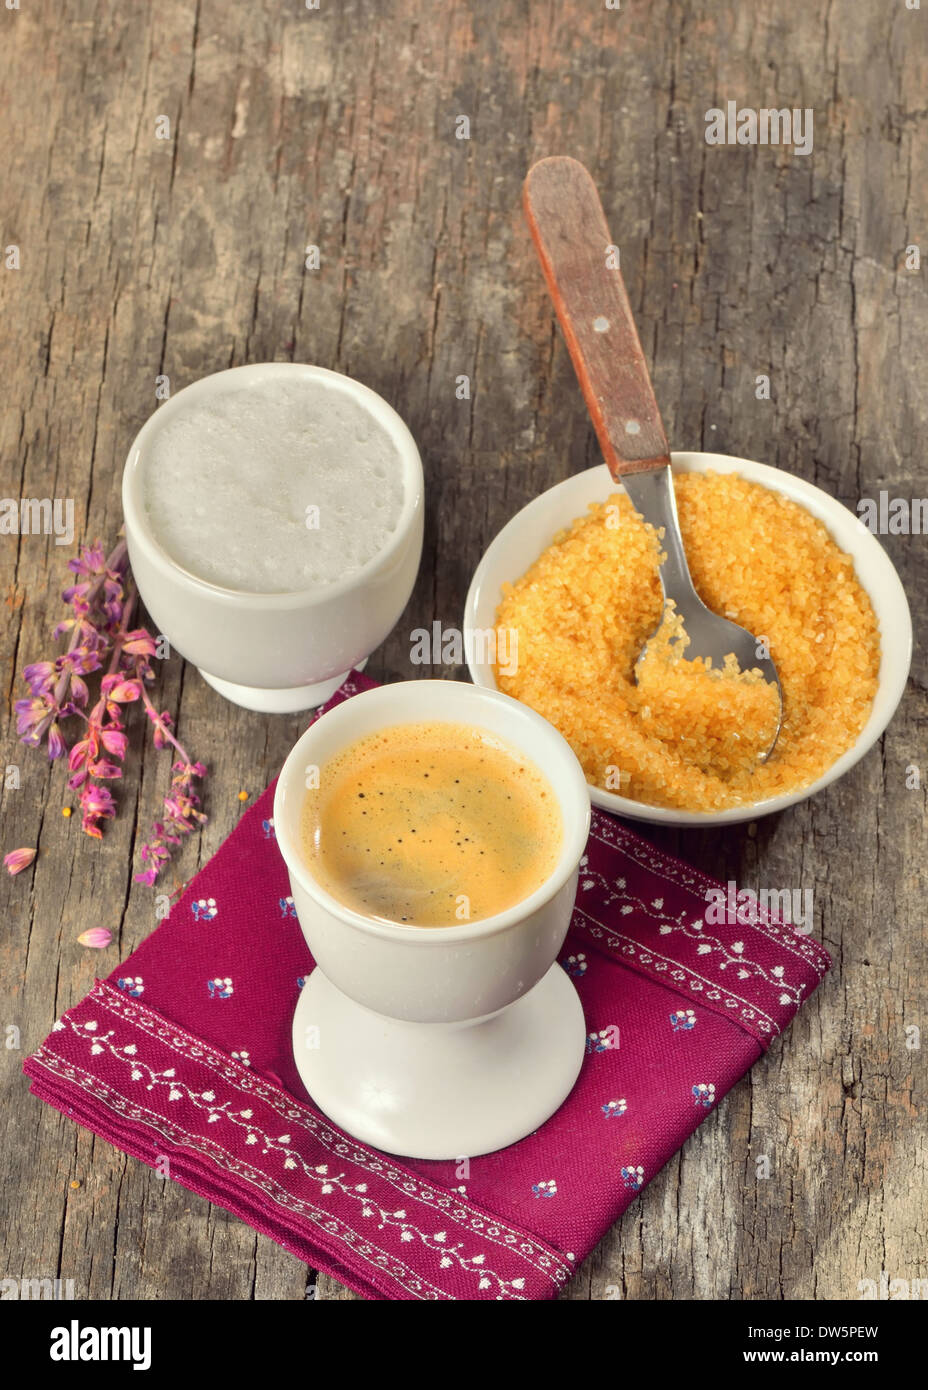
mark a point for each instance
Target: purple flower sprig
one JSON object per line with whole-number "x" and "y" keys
{"x": 102, "y": 606}
{"x": 182, "y": 812}
{"x": 57, "y": 687}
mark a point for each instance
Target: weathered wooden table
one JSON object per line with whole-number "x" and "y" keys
{"x": 163, "y": 171}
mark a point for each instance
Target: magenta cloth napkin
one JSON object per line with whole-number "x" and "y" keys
{"x": 184, "y": 1053}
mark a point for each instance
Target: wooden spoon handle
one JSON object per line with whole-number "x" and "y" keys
{"x": 569, "y": 229}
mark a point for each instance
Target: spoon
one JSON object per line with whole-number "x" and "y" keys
{"x": 580, "y": 264}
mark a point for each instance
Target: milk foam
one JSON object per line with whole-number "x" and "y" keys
{"x": 229, "y": 480}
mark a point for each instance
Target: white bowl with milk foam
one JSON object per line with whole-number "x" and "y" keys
{"x": 274, "y": 519}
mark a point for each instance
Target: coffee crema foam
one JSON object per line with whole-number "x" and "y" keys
{"x": 273, "y": 487}
{"x": 431, "y": 825}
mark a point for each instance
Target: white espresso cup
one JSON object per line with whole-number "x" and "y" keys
{"x": 276, "y": 652}
{"x": 437, "y": 1042}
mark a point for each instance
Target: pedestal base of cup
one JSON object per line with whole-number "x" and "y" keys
{"x": 291, "y": 700}
{"x": 436, "y": 1090}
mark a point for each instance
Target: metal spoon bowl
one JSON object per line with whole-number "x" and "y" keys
{"x": 711, "y": 636}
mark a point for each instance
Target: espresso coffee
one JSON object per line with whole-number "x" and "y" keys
{"x": 431, "y": 825}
